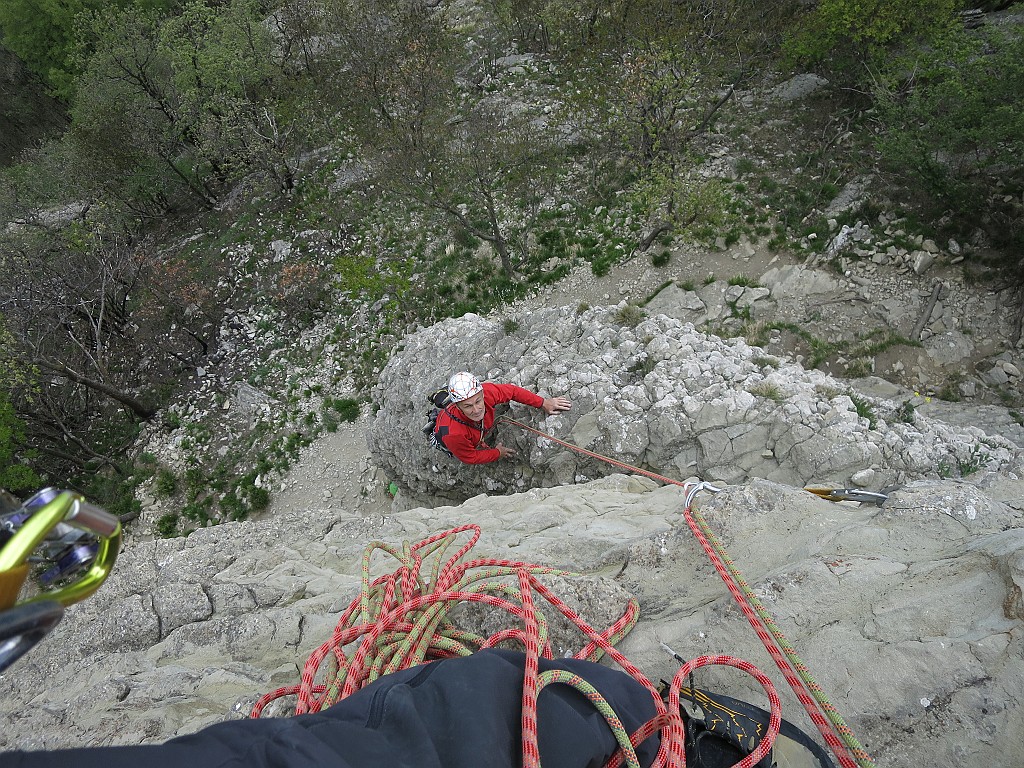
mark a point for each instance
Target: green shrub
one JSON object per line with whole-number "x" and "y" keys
{"x": 166, "y": 483}
{"x": 642, "y": 367}
{"x": 767, "y": 390}
{"x": 630, "y": 315}
{"x": 864, "y": 409}
{"x": 661, "y": 258}
{"x": 906, "y": 412}
{"x": 167, "y": 526}
{"x": 846, "y": 34}
{"x": 954, "y": 133}
{"x": 747, "y": 282}
{"x": 347, "y": 408}
{"x": 259, "y": 498}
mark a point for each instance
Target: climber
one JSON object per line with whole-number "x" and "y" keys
{"x": 462, "y": 424}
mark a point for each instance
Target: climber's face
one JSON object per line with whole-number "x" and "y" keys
{"x": 473, "y": 407}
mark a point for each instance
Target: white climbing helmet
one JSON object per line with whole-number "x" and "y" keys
{"x": 462, "y": 386}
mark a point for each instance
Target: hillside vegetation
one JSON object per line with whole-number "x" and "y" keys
{"x": 258, "y": 166}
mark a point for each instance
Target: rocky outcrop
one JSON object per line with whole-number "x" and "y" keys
{"x": 909, "y": 616}
{"x": 656, "y": 393}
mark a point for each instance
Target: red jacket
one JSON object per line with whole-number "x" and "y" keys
{"x": 465, "y": 438}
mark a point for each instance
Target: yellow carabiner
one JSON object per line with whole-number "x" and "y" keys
{"x": 73, "y": 509}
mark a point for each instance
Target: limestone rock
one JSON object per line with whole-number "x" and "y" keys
{"x": 909, "y": 616}
{"x": 657, "y": 394}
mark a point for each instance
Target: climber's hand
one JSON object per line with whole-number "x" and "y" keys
{"x": 555, "y": 404}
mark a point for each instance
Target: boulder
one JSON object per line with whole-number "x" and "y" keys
{"x": 651, "y": 392}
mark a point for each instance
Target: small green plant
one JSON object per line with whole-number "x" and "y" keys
{"x": 744, "y": 165}
{"x": 661, "y": 258}
{"x": 630, "y": 315}
{"x": 977, "y": 460}
{"x": 259, "y": 498}
{"x": 687, "y": 285}
{"x": 864, "y": 409}
{"x": 767, "y": 390}
{"x": 642, "y": 367}
{"x": 656, "y": 291}
{"x": 330, "y": 421}
{"x": 510, "y": 326}
{"x": 906, "y": 412}
{"x": 859, "y": 367}
{"x": 741, "y": 313}
{"x": 165, "y": 484}
{"x": 743, "y": 280}
{"x": 347, "y": 408}
{"x": 167, "y": 526}
{"x": 582, "y": 307}
{"x": 764, "y": 361}
{"x": 709, "y": 279}
{"x": 950, "y": 390}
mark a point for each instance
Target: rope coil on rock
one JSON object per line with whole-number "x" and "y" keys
{"x": 401, "y": 619}
{"x": 834, "y": 730}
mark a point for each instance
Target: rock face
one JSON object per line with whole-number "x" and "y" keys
{"x": 655, "y": 393}
{"x": 909, "y": 616}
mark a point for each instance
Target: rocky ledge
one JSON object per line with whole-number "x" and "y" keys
{"x": 909, "y": 616}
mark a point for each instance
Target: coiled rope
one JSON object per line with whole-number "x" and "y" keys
{"x": 401, "y": 619}
{"x": 830, "y": 724}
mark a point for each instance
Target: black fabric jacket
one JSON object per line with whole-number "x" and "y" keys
{"x": 454, "y": 713}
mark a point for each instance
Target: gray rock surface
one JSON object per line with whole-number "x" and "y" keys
{"x": 658, "y": 394}
{"x": 909, "y": 616}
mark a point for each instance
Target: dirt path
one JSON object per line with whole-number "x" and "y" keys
{"x": 334, "y": 473}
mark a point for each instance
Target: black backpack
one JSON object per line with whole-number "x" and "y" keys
{"x": 439, "y": 400}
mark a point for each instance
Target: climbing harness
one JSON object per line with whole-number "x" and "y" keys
{"x": 55, "y": 549}
{"x": 826, "y": 718}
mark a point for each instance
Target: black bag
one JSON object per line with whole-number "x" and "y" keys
{"x": 721, "y": 731}
{"x": 439, "y": 399}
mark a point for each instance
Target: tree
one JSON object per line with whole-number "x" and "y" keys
{"x": 186, "y": 101}
{"x": 954, "y": 129}
{"x": 849, "y": 36}
{"x": 66, "y": 301}
{"x": 403, "y": 81}
{"x": 15, "y": 475}
{"x": 42, "y": 34}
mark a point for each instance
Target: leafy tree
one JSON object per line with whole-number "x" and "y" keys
{"x": 14, "y": 475}
{"x": 650, "y": 76}
{"x": 42, "y": 34}
{"x": 848, "y": 36}
{"x": 66, "y": 304}
{"x": 954, "y": 129}
{"x": 402, "y": 78}
{"x": 186, "y": 100}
